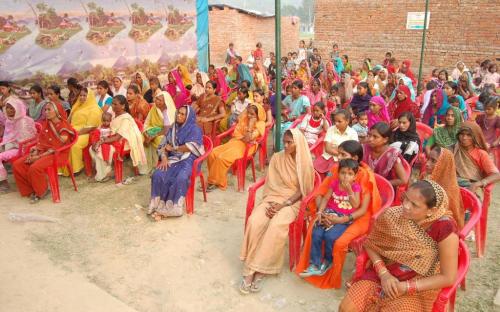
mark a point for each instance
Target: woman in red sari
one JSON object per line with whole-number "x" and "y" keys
{"x": 402, "y": 103}
{"x": 29, "y": 170}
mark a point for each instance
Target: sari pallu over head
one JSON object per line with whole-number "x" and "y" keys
{"x": 181, "y": 97}
{"x": 397, "y": 107}
{"x": 51, "y": 135}
{"x": 410, "y": 135}
{"x": 188, "y": 134}
{"x": 467, "y": 168}
{"x": 155, "y": 122}
{"x": 382, "y": 115}
{"x": 447, "y": 136}
{"x": 428, "y": 112}
{"x": 186, "y": 77}
{"x": 144, "y": 87}
{"x": 20, "y": 127}
{"x": 127, "y": 128}
{"x": 243, "y": 122}
{"x": 406, "y": 242}
{"x": 222, "y": 89}
{"x": 87, "y": 114}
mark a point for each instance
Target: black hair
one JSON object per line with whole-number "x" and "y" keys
{"x": 453, "y": 100}
{"x": 388, "y": 53}
{"x": 445, "y": 73}
{"x": 288, "y": 133}
{"x": 4, "y": 83}
{"x": 57, "y": 90}
{"x": 492, "y": 102}
{"x": 245, "y": 82}
{"x": 349, "y": 163}
{"x": 365, "y": 85}
{"x": 346, "y": 57}
{"x": 316, "y": 80}
{"x": 213, "y": 84}
{"x": 434, "y": 71}
{"x": 211, "y": 66}
{"x": 298, "y": 84}
{"x": 452, "y": 85}
{"x": 335, "y": 88}
{"x": 383, "y": 129}
{"x": 72, "y": 82}
{"x": 123, "y": 101}
{"x": 427, "y": 191}
{"x": 244, "y": 91}
{"x": 320, "y": 105}
{"x": 239, "y": 58}
{"x": 361, "y": 114}
{"x": 436, "y": 148}
{"x": 407, "y": 115}
{"x": 154, "y": 80}
{"x": 344, "y": 112}
{"x": 431, "y": 85}
{"x": 134, "y": 88}
{"x": 38, "y": 90}
{"x": 353, "y": 147}
{"x": 259, "y": 91}
{"x": 335, "y": 45}
{"x": 104, "y": 84}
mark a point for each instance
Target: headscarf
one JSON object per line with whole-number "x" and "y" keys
{"x": 443, "y": 175}
{"x": 360, "y": 103}
{"x": 222, "y": 89}
{"x": 447, "y": 136}
{"x": 304, "y": 74}
{"x": 197, "y": 90}
{"x": 20, "y": 127}
{"x": 467, "y": 168}
{"x": 244, "y": 74}
{"x": 127, "y": 128}
{"x": 382, "y": 115}
{"x": 456, "y": 73}
{"x": 406, "y": 242}
{"x": 145, "y": 82}
{"x": 87, "y": 114}
{"x": 407, "y": 82}
{"x": 186, "y": 77}
{"x": 427, "y": 111}
{"x": 409, "y": 72}
{"x": 397, "y": 107}
{"x": 50, "y": 136}
{"x": 303, "y": 160}
{"x": 243, "y": 122}
{"x": 446, "y": 104}
{"x": 154, "y": 121}
{"x": 410, "y": 135}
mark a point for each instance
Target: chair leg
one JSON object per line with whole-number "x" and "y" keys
{"x": 70, "y": 170}
{"x": 253, "y": 169}
{"x": 190, "y": 200}
{"x": 87, "y": 161}
{"x": 204, "y": 188}
{"x": 462, "y": 284}
{"x": 54, "y": 184}
{"x": 479, "y": 240}
{"x": 118, "y": 171}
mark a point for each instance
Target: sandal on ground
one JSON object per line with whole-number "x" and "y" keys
{"x": 312, "y": 270}
{"x": 36, "y": 199}
{"x": 211, "y": 187}
{"x": 256, "y": 285}
{"x": 244, "y": 287}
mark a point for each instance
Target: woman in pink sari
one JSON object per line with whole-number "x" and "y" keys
{"x": 177, "y": 89}
{"x": 377, "y": 111}
{"x": 315, "y": 93}
{"x": 222, "y": 89}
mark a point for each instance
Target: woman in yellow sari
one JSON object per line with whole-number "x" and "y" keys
{"x": 85, "y": 117}
{"x": 289, "y": 179}
{"x": 250, "y": 128}
{"x": 186, "y": 77}
{"x": 159, "y": 119}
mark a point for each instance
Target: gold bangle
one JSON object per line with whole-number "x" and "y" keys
{"x": 377, "y": 261}
{"x": 383, "y": 272}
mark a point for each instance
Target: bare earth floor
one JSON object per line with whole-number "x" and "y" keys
{"x": 105, "y": 254}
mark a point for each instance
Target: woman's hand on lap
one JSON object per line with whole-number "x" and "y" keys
{"x": 390, "y": 285}
{"x": 163, "y": 165}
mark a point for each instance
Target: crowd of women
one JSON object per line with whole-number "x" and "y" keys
{"x": 340, "y": 125}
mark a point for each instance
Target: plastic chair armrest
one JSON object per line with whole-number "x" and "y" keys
{"x": 224, "y": 134}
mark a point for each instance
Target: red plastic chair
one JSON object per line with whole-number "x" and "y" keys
{"x": 297, "y": 121}
{"x": 296, "y": 228}
{"x": 446, "y": 296}
{"x": 263, "y": 149}
{"x": 402, "y": 188}
{"x": 59, "y": 163}
{"x": 197, "y": 173}
{"x": 387, "y": 197}
{"x": 318, "y": 147}
{"x": 483, "y": 221}
{"x": 22, "y": 146}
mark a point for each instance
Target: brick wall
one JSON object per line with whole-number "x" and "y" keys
{"x": 458, "y": 30}
{"x": 245, "y": 30}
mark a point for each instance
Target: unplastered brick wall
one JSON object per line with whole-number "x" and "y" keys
{"x": 465, "y": 30}
{"x": 245, "y": 30}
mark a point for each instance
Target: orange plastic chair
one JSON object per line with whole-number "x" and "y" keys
{"x": 58, "y": 162}
{"x": 387, "y": 197}
{"x": 197, "y": 173}
{"x": 296, "y": 228}
{"x": 446, "y": 297}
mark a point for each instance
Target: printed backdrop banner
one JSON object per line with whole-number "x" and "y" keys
{"x": 49, "y": 41}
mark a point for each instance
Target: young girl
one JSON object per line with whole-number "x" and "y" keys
{"x": 361, "y": 127}
{"x": 333, "y": 99}
{"x": 360, "y": 101}
{"x": 450, "y": 90}
{"x": 336, "y": 134}
{"x": 314, "y": 124}
{"x": 106, "y": 150}
{"x": 104, "y": 96}
{"x": 405, "y": 138}
{"x": 490, "y": 123}
{"x": 334, "y": 216}
{"x": 117, "y": 87}
{"x": 37, "y": 104}
{"x": 239, "y": 105}
{"x": 154, "y": 90}
{"x": 377, "y": 111}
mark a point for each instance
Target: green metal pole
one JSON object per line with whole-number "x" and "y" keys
{"x": 419, "y": 86}
{"x": 277, "y": 31}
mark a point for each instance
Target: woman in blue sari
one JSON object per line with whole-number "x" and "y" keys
{"x": 178, "y": 150}
{"x": 294, "y": 105}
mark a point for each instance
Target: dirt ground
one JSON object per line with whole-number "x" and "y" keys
{"x": 105, "y": 254}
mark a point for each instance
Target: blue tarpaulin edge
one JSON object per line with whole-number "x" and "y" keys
{"x": 202, "y": 34}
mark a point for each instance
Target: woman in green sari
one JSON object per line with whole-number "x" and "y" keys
{"x": 446, "y": 136}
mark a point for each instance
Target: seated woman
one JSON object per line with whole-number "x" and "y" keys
{"x": 154, "y": 90}
{"x": 370, "y": 204}
{"x": 438, "y": 167}
{"x": 259, "y": 99}
{"x": 413, "y": 249}
{"x": 401, "y": 103}
{"x": 54, "y": 95}
{"x": 176, "y": 88}
{"x": 475, "y": 168}
{"x": 117, "y": 88}
{"x": 361, "y": 100}
{"x": 335, "y": 135}
{"x": 446, "y": 136}
{"x": 37, "y": 104}
{"x": 178, "y": 150}
{"x": 29, "y": 170}
{"x": 316, "y": 93}
{"x": 429, "y": 111}
{"x": 18, "y": 128}
{"x": 85, "y": 117}
{"x": 141, "y": 81}
{"x": 289, "y": 179}
{"x": 450, "y": 90}
{"x": 199, "y": 86}
{"x": 209, "y": 108}
{"x": 314, "y": 124}
{"x": 377, "y": 111}
{"x": 238, "y": 106}
{"x": 294, "y": 105}
{"x": 122, "y": 126}
{"x": 250, "y": 128}
{"x": 405, "y": 138}
{"x": 138, "y": 106}
{"x": 160, "y": 118}
{"x": 383, "y": 159}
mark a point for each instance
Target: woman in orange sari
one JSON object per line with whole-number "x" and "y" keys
{"x": 413, "y": 252}
{"x": 370, "y": 204}
{"x": 250, "y": 128}
{"x": 139, "y": 107}
{"x": 209, "y": 108}
{"x": 29, "y": 170}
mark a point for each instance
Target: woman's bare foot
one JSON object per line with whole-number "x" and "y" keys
{"x": 157, "y": 217}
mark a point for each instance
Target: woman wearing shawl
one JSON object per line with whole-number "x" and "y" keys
{"x": 406, "y": 70}
{"x": 185, "y": 76}
{"x": 475, "y": 168}
{"x": 446, "y": 136}
{"x": 399, "y": 80}
{"x": 84, "y": 118}
{"x": 140, "y": 79}
{"x": 18, "y": 128}
{"x": 178, "y": 150}
{"x": 160, "y": 118}
{"x": 222, "y": 88}
{"x": 29, "y": 170}
{"x": 406, "y": 138}
{"x": 390, "y": 88}
{"x": 413, "y": 249}
{"x": 209, "y": 108}
{"x": 243, "y": 72}
{"x": 438, "y": 167}
{"x": 249, "y": 129}
{"x": 177, "y": 89}
{"x": 360, "y": 101}
{"x": 304, "y": 73}
{"x": 366, "y": 67}
{"x": 450, "y": 90}
{"x": 117, "y": 87}
{"x": 339, "y": 66}
{"x": 370, "y": 204}
{"x": 198, "y": 88}
{"x": 289, "y": 179}
{"x": 381, "y": 80}
{"x": 330, "y": 77}
{"x": 459, "y": 70}
{"x": 123, "y": 126}
{"x": 260, "y": 77}
{"x": 346, "y": 88}
{"x": 465, "y": 86}
{"x": 402, "y": 103}
{"x": 377, "y": 111}
{"x": 316, "y": 94}
{"x": 138, "y": 106}
{"x": 432, "y": 104}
